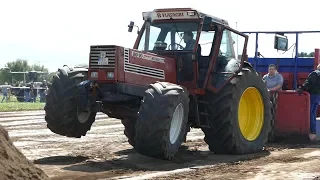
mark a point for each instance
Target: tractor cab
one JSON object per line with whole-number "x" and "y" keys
{"x": 33, "y": 76}
{"x": 196, "y": 41}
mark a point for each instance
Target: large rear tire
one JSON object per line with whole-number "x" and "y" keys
{"x": 240, "y": 116}
{"x": 162, "y": 121}
{"x": 62, "y": 115}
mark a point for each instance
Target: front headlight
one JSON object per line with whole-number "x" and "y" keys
{"x": 94, "y": 74}
{"x": 110, "y": 75}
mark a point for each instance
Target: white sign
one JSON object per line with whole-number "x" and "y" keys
{"x": 103, "y": 60}
{"x": 171, "y": 15}
{"x": 147, "y": 57}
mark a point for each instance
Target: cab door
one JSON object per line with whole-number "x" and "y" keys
{"x": 230, "y": 52}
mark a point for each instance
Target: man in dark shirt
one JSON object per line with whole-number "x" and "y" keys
{"x": 27, "y": 92}
{"x": 5, "y": 92}
{"x": 35, "y": 92}
{"x": 43, "y": 87}
{"x": 33, "y": 96}
{"x": 312, "y": 86}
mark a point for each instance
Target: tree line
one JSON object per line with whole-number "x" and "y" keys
{"x": 22, "y": 65}
{"x": 305, "y": 54}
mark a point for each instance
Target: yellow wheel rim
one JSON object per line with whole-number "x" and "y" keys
{"x": 251, "y": 114}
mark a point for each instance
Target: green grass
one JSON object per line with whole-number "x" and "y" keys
{"x": 14, "y": 105}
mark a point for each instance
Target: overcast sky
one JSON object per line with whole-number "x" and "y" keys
{"x": 59, "y": 32}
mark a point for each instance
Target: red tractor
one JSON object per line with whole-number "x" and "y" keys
{"x": 186, "y": 69}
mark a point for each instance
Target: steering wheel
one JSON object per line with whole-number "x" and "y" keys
{"x": 179, "y": 45}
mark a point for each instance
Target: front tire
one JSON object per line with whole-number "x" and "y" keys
{"x": 240, "y": 116}
{"x": 162, "y": 120}
{"x": 129, "y": 129}
{"x": 62, "y": 114}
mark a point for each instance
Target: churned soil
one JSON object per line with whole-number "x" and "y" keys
{"x": 13, "y": 164}
{"x": 105, "y": 154}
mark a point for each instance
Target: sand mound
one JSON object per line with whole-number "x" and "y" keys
{"x": 13, "y": 164}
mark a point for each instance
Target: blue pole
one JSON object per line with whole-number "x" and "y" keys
{"x": 285, "y": 32}
{"x": 256, "y": 52}
{"x": 296, "y": 63}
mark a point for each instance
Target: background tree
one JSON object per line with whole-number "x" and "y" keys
{"x": 5, "y": 75}
{"x": 305, "y": 54}
{"x": 50, "y": 76}
{"x": 20, "y": 65}
{"x": 17, "y": 66}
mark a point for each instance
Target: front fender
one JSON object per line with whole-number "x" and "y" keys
{"x": 76, "y": 72}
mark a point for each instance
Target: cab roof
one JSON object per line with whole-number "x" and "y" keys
{"x": 199, "y": 14}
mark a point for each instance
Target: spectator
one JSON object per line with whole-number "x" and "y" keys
{"x": 27, "y": 92}
{"x": 43, "y": 87}
{"x": 273, "y": 79}
{"x": 33, "y": 92}
{"x": 5, "y": 92}
{"x": 312, "y": 86}
{"x": 9, "y": 93}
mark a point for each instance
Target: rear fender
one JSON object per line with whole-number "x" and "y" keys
{"x": 246, "y": 67}
{"x": 236, "y": 78}
{"x": 247, "y": 64}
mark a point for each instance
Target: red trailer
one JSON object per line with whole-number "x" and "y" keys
{"x": 292, "y": 111}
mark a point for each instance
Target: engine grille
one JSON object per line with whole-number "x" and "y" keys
{"x": 107, "y": 51}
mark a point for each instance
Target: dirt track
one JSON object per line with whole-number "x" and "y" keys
{"x": 105, "y": 154}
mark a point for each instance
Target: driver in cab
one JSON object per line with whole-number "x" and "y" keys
{"x": 188, "y": 39}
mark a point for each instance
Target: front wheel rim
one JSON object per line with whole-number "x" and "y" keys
{"x": 176, "y": 123}
{"x": 83, "y": 116}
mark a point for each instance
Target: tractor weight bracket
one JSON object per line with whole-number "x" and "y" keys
{"x": 86, "y": 100}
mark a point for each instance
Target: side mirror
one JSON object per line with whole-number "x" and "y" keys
{"x": 207, "y": 24}
{"x": 130, "y": 26}
{"x": 207, "y": 20}
{"x": 280, "y": 42}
